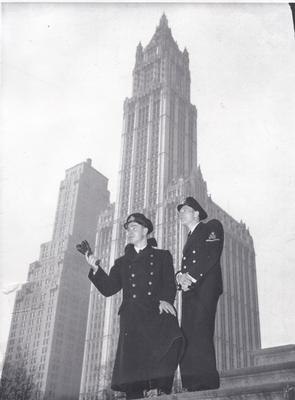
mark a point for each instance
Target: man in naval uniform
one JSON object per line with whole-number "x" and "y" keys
{"x": 150, "y": 340}
{"x": 200, "y": 280}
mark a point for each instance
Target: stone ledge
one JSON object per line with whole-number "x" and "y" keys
{"x": 258, "y": 369}
{"x": 275, "y": 350}
{"x": 256, "y": 392}
{"x": 273, "y": 355}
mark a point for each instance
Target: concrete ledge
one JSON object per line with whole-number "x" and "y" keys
{"x": 272, "y": 355}
{"x": 265, "y": 376}
{"x": 272, "y": 391}
{"x": 254, "y": 383}
{"x": 258, "y": 369}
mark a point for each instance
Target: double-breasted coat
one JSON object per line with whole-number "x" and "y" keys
{"x": 150, "y": 344}
{"x": 201, "y": 259}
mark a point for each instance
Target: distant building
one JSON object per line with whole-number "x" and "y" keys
{"x": 159, "y": 167}
{"x": 49, "y": 319}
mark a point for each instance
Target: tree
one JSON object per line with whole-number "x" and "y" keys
{"x": 16, "y": 383}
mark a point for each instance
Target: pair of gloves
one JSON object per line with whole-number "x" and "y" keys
{"x": 184, "y": 281}
{"x": 85, "y": 249}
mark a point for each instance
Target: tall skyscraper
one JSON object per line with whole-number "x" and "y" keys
{"x": 158, "y": 168}
{"x": 50, "y": 312}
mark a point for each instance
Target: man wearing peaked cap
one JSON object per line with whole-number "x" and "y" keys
{"x": 192, "y": 203}
{"x": 200, "y": 281}
{"x": 150, "y": 341}
{"x": 141, "y": 220}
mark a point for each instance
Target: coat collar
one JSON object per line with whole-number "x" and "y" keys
{"x": 132, "y": 254}
{"x": 194, "y": 228}
{"x": 191, "y": 240}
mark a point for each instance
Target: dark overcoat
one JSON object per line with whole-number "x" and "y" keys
{"x": 201, "y": 259}
{"x": 150, "y": 344}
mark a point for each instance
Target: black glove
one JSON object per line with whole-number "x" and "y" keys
{"x": 84, "y": 248}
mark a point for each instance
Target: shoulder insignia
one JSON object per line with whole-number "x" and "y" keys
{"x": 212, "y": 237}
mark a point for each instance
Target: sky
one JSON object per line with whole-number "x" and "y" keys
{"x": 66, "y": 70}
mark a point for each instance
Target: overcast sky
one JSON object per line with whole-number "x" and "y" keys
{"x": 66, "y": 70}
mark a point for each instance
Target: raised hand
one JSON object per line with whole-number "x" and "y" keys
{"x": 92, "y": 261}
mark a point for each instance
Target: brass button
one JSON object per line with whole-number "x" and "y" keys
{"x": 194, "y": 251}
{"x": 133, "y": 275}
{"x": 194, "y": 261}
{"x": 151, "y": 263}
{"x": 133, "y": 285}
{"x": 150, "y": 283}
{"x": 201, "y": 274}
{"x": 151, "y": 255}
{"x": 149, "y": 293}
{"x": 152, "y": 273}
{"x": 184, "y": 258}
{"x": 184, "y": 267}
{"x": 134, "y": 296}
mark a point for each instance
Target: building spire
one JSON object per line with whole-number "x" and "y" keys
{"x": 163, "y": 21}
{"x": 139, "y": 48}
{"x": 162, "y": 29}
{"x": 139, "y": 52}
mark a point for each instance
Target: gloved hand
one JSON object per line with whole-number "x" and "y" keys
{"x": 185, "y": 280}
{"x": 84, "y": 248}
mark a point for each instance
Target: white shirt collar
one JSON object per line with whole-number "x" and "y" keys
{"x": 138, "y": 249}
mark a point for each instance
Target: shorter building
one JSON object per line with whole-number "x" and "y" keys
{"x": 48, "y": 327}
